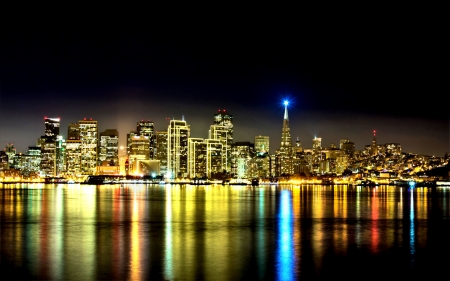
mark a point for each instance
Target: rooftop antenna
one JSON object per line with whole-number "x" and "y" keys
{"x": 182, "y": 117}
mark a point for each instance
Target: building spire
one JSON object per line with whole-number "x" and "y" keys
{"x": 285, "y": 110}
{"x": 286, "y": 140}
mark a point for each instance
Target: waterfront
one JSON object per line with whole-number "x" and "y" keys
{"x": 215, "y": 232}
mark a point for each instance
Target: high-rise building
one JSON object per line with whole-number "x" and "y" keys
{"x": 108, "y": 151}
{"x": 261, "y": 144}
{"x": 139, "y": 150}
{"x": 219, "y": 132}
{"x": 161, "y": 151}
{"x": 89, "y": 145}
{"x": 223, "y": 118}
{"x": 177, "y": 148}
{"x": 73, "y": 157}
{"x": 146, "y": 128}
{"x": 197, "y": 158}
{"x": 242, "y": 153}
{"x": 51, "y": 127}
{"x": 285, "y": 155}
{"x": 73, "y": 131}
{"x": 50, "y": 164}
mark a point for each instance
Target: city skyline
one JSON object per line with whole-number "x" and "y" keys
{"x": 342, "y": 83}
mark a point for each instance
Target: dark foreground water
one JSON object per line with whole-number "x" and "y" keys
{"x": 142, "y": 232}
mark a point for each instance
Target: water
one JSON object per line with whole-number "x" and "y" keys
{"x": 157, "y": 232}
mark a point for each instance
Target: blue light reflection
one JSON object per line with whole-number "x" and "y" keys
{"x": 285, "y": 255}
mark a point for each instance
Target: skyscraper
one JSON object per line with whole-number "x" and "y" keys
{"x": 147, "y": 128}
{"x": 284, "y": 155}
{"x": 223, "y": 118}
{"x": 177, "y": 148}
{"x": 51, "y": 127}
{"x": 262, "y": 144}
{"x": 89, "y": 143}
{"x": 220, "y": 133}
{"x": 161, "y": 151}
{"x": 109, "y": 147}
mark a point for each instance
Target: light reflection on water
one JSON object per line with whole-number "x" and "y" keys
{"x": 136, "y": 232}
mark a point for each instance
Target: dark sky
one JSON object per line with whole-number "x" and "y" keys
{"x": 345, "y": 77}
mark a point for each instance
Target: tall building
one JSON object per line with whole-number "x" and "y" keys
{"x": 219, "y": 132}
{"x": 139, "y": 151}
{"x": 197, "y": 158}
{"x": 223, "y": 118}
{"x": 161, "y": 151}
{"x": 285, "y": 155}
{"x": 73, "y": 157}
{"x": 177, "y": 148}
{"x": 89, "y": 146}
{"x": 262, "y": 144}
{"x": 73, "y": 131}
{"x": 108, "y": 150}
{"x": 146, "y": 128}
{"x": 51, "y": 151}
{"x": 51, "y": 127}
{"x": 242, "y": 153}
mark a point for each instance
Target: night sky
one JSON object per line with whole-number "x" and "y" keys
{"x": 344, "y": 77}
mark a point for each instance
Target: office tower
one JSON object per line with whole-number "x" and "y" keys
{"x": 146, "y": 128}
{"x": 48, "y": 157}
{"x": 317, "y": 144}
{"x": 89, "y": 145}
{"x": 214, "y": 159}
{"x": 205, "y": 158}
{"x": 223, "y": 118}
{"x": 177, "y": 148}
{"x": 161, "y": 151}
{"x": 261, "y": 144}
{"x": 284, "y": 155}
{"x": 347, "y": 147}
{"x": 33, "y": 159}
{"x": 241, "y": 153}
{"x": 60, "y": 157}
{"x": 219, "y": 132}
{"x": 197, "y": 158}
{"x": 139, "y": 150}
{"x": 108, "y": 151}
{"x": 48, "y": 144}
{"x": 51, "y": 127}
{"x": 73, "y": 131}
{"x": 73, "y": 157}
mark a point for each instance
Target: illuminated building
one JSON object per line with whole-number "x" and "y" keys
{"x": 139, "y": 150}
{"x": 259, "y": 166}
{"x": 284, "y": 155}
{"x": 262, "y": 144}
{"x": 146, "y": 128}
{"x": 347, "y": 147}
{"x": 48, "y": 157}
{"x": 223, "y": 118}
{"x": 108, "y": 150}
{"x": 51, "y": 127}
{"x": 73, "y": 157}
{"x": 89, "y": 145}
{"x": 197, "y": 158}
{"x": 73, "y": 131}
{"x": 161, "y": 151}
{"x": 60, "y": 157}
{"x": 242, "y": 153}
{"x": 219, "y": 132}
{"x": 177, "y": 148}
